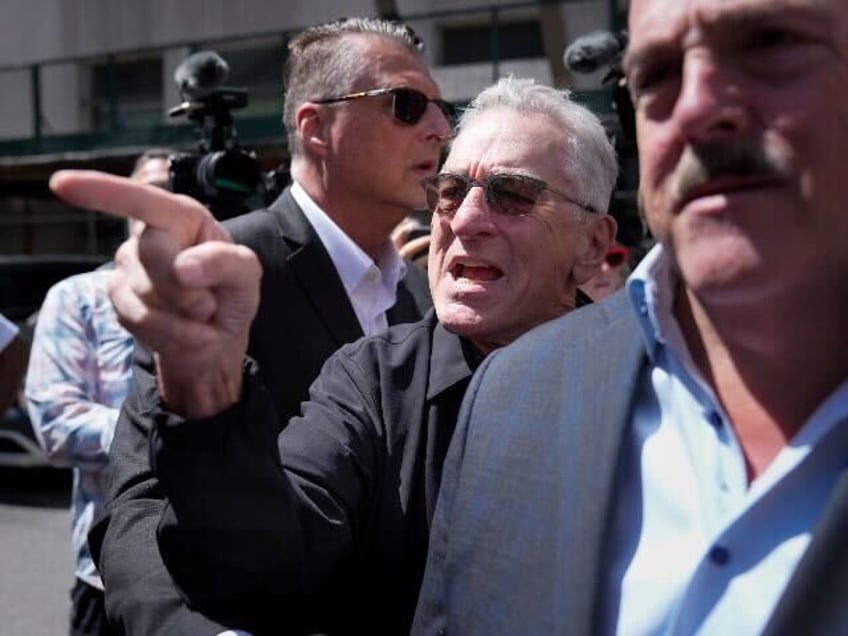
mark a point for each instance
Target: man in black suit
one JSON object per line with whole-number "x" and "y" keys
{"x": 365, "y": 124}
{"x": 673, "y": 460}
{"x": 326, "y": 529}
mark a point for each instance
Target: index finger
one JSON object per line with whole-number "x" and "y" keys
{"x": 126, "y": 198}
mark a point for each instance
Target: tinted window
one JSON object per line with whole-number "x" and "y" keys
{"x": 25, "y": 280}
{"x": 469, "y": 44}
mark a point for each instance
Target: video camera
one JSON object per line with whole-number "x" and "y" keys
{"x": 603, "y": 51}
{"x": 224, "y": 177}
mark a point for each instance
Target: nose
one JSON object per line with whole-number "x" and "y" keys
{"x": 435, "y": 124}
{"x": 710, "y": 105}
{"x": 474, "y": 216}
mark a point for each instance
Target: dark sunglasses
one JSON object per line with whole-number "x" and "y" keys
{"x": 617, "y": 256}
{"x": 408, "y": 104}
{"x": 509, "y": 194}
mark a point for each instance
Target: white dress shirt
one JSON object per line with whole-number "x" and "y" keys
{"x": 371, "y": 287}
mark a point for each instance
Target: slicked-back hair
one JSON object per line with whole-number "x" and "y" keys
{"x": 591, "y": 166}
{"x": 326, "y": 61}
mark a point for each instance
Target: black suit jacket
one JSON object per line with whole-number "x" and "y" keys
{"x": 330, "y": 533}
{"x": 519, "y": 534}
{"x": 304, "y": 315}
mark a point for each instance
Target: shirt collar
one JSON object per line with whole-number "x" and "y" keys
{"x": 350, "y": 261}
{"x": 452, "y": 359}
{"x": 651, "y": 288}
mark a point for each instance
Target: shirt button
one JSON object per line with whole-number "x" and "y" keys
{"x": 719, "y": 555}
{"x": 643, "y": 309}
{"x": 716, "y": 420}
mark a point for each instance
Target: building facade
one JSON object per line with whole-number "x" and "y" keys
{"x": 89, "y": 83}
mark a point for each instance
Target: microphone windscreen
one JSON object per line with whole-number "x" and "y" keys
{"x": 200, "y": 74}
{"x": 590, "y": 52}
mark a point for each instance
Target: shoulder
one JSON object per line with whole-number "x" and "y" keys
{"x": 270, "y": 227}
{"x": 396, "y": 360}
{"x": 395, "y": 346}
{"x": 578, "y": 338}
{"x": 87, "y": 288}
{"x": 580, "y": 326}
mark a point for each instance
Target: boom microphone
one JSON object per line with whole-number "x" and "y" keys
{"x": 200, "y": 74}
{"x": 594, "y": 50}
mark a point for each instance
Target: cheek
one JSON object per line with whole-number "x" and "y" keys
{"x": 440, "y": 240}
{"x": 545, "y": 261}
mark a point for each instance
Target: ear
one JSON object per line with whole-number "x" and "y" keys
{"x": 313, "y": 128}
{"x": 599, "y": 236}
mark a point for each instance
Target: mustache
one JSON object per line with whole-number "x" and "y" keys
{"x": 703, "y": 163}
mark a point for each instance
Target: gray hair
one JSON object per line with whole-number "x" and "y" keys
{"x": 320, "y": 65}
{"x": 591, "y": 164}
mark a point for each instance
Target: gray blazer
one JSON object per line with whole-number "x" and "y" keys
{"x": 519, "y": 535}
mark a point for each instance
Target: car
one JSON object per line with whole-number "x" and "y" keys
{"x": 24, "y": 281}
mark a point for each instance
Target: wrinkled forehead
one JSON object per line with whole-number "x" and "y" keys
{"x": 390, "y": 64}
{"x": 504, "y": 140}
{"x": 670, "y": 22}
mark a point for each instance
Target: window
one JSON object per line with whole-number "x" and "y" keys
{"x": 473, "y": 43}
{"x": 259, "y": 69}
{"x": 134, "y": 88}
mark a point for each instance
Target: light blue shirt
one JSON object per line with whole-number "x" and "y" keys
{"x": 695, "y": 548}
{"x": 80, "y": 370}
{"x": 371, "y": 287}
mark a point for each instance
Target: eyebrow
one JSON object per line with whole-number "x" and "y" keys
{"x": 749, "y": 16}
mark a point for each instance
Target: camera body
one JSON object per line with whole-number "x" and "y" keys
{"x": 228, "y": 181}
{"x": 220, "y": 174}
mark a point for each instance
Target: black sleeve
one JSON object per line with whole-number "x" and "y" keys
{"x": 259, "y": 528}
{"x": 141, "y": 597}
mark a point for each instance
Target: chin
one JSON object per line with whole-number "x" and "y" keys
{"x": 725, "y": 279}
{"x": 460, "y": 319}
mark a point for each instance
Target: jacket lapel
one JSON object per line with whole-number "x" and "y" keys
{"x": 314, "y": 271}
{"x": 816, "y": 598}
{"x": 592, "y": 442}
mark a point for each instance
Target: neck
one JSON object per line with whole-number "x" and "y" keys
{"x": 367, "y": 223}
{"x": 770, "y": 364}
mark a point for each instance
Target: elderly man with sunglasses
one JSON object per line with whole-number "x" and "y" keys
{"x": 324, "y": 527}
{"x": 673, "y": 460}
{"x": 330, "y": 276}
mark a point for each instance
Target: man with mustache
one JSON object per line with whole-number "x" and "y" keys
{"x": 324, "y": 527}
{"x": 673, "y": 460}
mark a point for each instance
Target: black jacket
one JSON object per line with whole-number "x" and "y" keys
{"x": 333, "y": 538}
{"x": 303, "y": 317}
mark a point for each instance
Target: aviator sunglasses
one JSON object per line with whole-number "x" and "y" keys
{"x": 408, "y": 104}
{"x": 507, "y": 194}
{"x": 617, "y": 255}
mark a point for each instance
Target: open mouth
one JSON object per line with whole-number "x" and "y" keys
{"x": 476, "y": 272}
{"x": 427, "y": 166}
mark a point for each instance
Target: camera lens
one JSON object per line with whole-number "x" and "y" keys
{"x": 230, "y": 172}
